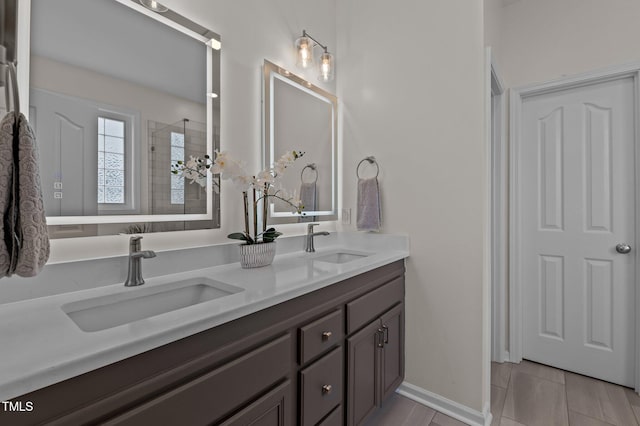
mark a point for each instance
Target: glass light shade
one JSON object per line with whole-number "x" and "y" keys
{"x": 327, "y": 67}
{"x": 304, "y": 49}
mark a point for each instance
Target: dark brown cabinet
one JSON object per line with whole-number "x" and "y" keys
{"x": 392, "y": 357}
{"x": 362, "y": 370}
{"x": 375, "y": 364}
{"x": 215, "y": 392}
{"x": 273, "y": 409}
{"x": 326, "y": 358}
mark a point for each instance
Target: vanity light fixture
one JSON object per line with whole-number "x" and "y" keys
{"x": 304, "y": 52}
{"x": 154, "y": 5}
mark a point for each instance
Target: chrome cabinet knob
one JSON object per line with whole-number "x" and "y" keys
{"x": 326, "y": 389}
{"x": 623, "y": 248}
{"x": 326, "y": 335}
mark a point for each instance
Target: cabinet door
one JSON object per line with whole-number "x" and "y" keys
{"x": 364, "y": 350}
{"x": 392, "y": 372}
{"x": 273, "y": 409}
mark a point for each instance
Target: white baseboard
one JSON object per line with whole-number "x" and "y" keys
{"x": 488, "y": 417}
{"x": 446, "y": 406}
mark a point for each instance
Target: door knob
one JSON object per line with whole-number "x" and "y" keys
{"x": 623, "y": 248}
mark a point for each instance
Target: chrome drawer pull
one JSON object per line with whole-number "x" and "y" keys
{"x": 326, "y": 335}
{"x": 326, "y": 389}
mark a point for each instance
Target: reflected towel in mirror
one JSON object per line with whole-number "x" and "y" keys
{"x": 369, "y": 211}
{"x": 309, "y": 199}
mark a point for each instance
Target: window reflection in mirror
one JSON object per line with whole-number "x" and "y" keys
{"x": 113, "y": 93}
{"x": 301, "y": 116}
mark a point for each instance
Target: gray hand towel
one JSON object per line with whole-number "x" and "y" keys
{"x": 369, "y": 212}
{"x": 309, "y": 199}
{"x": 24, "y": 240}
{"x": 6, "y": 185}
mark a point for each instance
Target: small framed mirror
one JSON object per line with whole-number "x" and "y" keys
{"x": 302, "y": 117}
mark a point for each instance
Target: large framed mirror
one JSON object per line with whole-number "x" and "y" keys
{"x": 118, "y": 93}
{"x": 303, "y": 117}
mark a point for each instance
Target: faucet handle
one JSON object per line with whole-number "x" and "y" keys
{"x": 310, "y": 227}
{"x": 135, "y": 244}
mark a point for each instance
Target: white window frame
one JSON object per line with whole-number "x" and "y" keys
{"x": 131, "y": 155}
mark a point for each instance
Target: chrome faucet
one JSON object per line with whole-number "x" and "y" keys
{"x": 309, "y": 248}
{"x": 134, "y": 276}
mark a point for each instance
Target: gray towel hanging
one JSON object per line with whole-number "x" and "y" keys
{"x": 24, "y": 241}
{"x": 369, "y": 214}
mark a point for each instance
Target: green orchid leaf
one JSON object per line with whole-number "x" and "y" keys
{"x": 269, "y": 238}
{"x": 270, "y": 235}
{"x": 238, "y": 236}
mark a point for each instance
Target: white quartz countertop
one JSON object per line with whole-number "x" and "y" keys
{"x": 40, "y": 344}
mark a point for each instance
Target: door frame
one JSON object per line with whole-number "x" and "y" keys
{"x": 498, "y": 200}
{"x": 517, "y": 96}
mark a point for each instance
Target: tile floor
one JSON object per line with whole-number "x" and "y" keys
{"x": 401, "y": 411}
{"x": 530, "y": 394}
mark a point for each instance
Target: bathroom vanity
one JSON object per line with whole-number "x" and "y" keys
{"x": 328, "y": 350}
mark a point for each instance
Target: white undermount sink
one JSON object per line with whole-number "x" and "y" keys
{"x": 340, "y": 257}
{"x": 101, "y": 313}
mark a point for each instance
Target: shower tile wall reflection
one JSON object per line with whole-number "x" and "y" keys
{"x": 171, "y": 194}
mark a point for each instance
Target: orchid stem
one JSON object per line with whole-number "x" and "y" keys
{"x": 255, "y": 217}
{"x": 264, "y": 207}
{"x": 246, "y": 213}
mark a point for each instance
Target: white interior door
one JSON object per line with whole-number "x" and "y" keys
{"x": 67, "y": 131}
{"x": 578, "y": 296}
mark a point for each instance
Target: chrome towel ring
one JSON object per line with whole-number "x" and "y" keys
{"x": 311, "y": 166}
{"x": 371, "y": 160}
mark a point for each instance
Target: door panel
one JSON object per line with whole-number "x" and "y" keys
{"x": 599, "y": 309}
{"x": 393, "y": 354}
{"x": 363, "y": 354}
{"x": 578, "y": 174}
{"x": 552, "y": 297}
{"x": 550, "y": 141}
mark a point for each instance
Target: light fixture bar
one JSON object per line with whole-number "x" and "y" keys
{"x": 306, "y": 34}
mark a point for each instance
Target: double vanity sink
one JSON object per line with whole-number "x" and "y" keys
{"x": 100, "y": 313}
{"x": 135, "y": 304}
{"x": 88, "y": 329}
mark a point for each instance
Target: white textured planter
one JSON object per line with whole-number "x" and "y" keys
{"x": 257, "y": 255}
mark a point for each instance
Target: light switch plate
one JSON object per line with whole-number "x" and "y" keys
{"x": 346, "y": 216}
{"x": 57, "y": 185}
{"x": 57, "y": 195}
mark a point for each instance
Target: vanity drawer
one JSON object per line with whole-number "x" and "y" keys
{"x": 364, "y": 309}
{"x": 210, "y": 396}
{"x": 321, "y": 387}
{"x": 320, "y": 335}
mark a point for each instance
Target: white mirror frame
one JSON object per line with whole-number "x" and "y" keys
{"x": 271, "y": 73}
{"x": 212, "y": 40}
